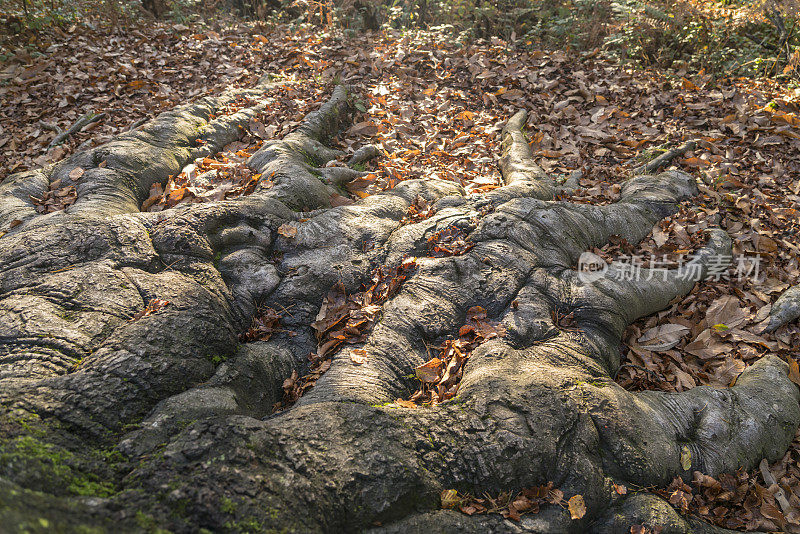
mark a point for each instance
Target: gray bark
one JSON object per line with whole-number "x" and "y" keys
{"x": 165, "y": 421}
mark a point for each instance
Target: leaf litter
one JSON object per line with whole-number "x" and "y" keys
{"x": 434, "y": 108}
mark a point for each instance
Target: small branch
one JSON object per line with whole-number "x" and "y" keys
{"x": 51, "y": 127}
{"x": 664, "y": 159}
{"x": 780, "y": 496}
{"x": 138, "y": 123}
{"x": 79, "y": 125}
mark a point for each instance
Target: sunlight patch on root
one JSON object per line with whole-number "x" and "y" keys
{"x": 516, "y": 161}
{"x": 296, "y": 163}
{"x": 115, "y": 178}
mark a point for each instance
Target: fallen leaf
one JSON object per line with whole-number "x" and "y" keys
{"x": 76, "y": 173}
{"x": 430, "y": 371}
{"x": 287, "y": 230}
{"x": 358, "y": 356}
{"x": 577, "y": 507}
{"x": 686, "y": 458}
{"x": 662, "y": 337}
{"x": 794, "y": 371}
{"x": 450, "y": 499}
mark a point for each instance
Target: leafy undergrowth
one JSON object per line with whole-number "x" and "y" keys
{"x": 435, "y": 108}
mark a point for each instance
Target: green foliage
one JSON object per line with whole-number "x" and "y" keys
{"x": 30, "y": 23}
{"x": 577, "y": 24}
{"x": 227, "y": 506}
{"x": 188, "y": 12}
{"x": 677, "y": 35}
{"x": 38, "y": 15}
{"x": 249, "y": 525}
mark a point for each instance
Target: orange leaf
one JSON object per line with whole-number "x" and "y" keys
{"x": 287, "y": 230}
{"x": 429, "y": 371}
{"x": 358, "y": 356}
{"x": 405, "y": 403}
{"x": 696, "y": 162}
{"x": 794, "y": 371}
{"x": 577, "y": 507}
{"x": 177, "y": 194}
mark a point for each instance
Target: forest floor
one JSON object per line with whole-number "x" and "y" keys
{"x": 435, "y": 108}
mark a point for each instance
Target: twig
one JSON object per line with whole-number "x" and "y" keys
{"x": 51, "y": 127}
{"x": 664, "y": 159}
{"x": 769, "y": 479}
{"x": 79, "y": 125}
{"x": 138, "y": 123}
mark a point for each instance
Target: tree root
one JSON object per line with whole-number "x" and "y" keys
{"x": 189, "y": 409}
{"x": 785, "y": 310}
{"x": 664, "y": 159}
{"x": 79, "y": 125}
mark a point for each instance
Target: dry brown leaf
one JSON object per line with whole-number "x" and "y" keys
{"x": 794, "y": 371}
{"x": 76, "y": 173}
{"x": 358, "y": 356}
{"x": 287, "y": 230}
{"x": 450, "y": 499}
{"x": 430, "y": 371}
{"x": 662, "y": 337}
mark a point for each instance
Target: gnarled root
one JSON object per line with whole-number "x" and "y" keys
{"x": 88, "y": 365}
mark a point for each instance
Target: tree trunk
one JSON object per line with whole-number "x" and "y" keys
{"x": 119, "y": 419}
{"x": 155, "y": 7}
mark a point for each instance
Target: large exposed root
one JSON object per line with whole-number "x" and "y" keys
{"x": 88, "y": 363}
{"x": 117, "y": 176}
{"x": 785, "y": 310}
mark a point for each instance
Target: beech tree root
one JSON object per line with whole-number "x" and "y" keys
{"x": 785, "y": 310}
{"x": 127, "y": 402}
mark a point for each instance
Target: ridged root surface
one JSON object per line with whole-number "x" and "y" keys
{"x": 119, "y": 421}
